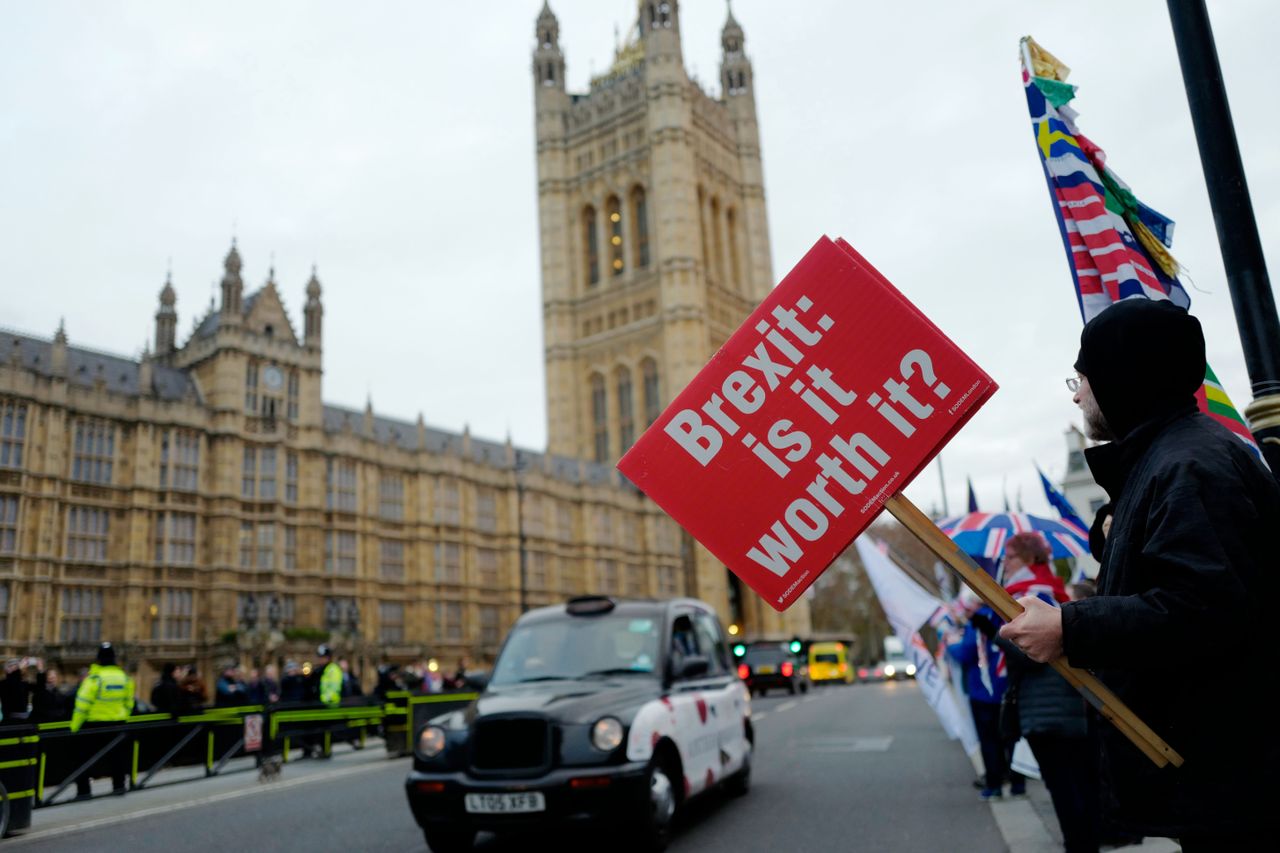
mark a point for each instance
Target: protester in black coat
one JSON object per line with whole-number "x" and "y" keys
{"x": 166, "y": 695}
{"x": 15, "y": 692}
{"x": 49, "y": 702}
{"x": 1187, "y": 583}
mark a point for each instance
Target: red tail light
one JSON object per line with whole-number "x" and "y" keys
{"x": 787, "y": 669}
{"x": 743, "y": 670}
{"x": 862, "y": 673}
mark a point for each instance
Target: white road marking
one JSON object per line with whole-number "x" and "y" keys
{"x": 251, "y": 791}
{"x": 759, "y": 715}
{"x": 846, "y": 744}
{"x": 787, "y": 706}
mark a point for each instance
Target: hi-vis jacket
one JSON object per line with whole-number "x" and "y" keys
{"x": 331, "y": 684}
{"x": 104, "y": 696}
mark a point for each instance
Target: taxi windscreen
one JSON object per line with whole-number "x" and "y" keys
{"x": 577, "y": 647}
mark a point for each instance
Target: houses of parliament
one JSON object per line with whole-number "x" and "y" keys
{"x": 202, "y": 503}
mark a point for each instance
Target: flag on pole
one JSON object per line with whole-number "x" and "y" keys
{"x": 908, "y": 607}
{"x": 1059, "y": 501}
{"x": 973, "y": 500}
{"x": 1117, "y": 247}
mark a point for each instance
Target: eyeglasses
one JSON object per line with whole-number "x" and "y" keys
{"x": 1073, "y": 384}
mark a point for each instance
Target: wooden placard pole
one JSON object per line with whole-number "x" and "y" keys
{"x": 998, "y": 599}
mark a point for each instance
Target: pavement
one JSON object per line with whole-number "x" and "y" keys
{"x": 181, "y": 788}
{"x": 1029, "y": 824}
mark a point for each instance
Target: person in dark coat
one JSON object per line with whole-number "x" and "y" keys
{"x": 1052, "y": 715}
{"x": 293, "y": 686}
{"x": 50, "y": 703}
{"x": 15, "y": 692}
{"x": 166, "y": 695}
{"x": 1185, "y": 591}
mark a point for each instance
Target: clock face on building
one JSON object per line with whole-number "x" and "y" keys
{"x": 272, "y": 376}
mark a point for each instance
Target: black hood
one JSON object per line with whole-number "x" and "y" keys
{"x": 1144, "y": 359}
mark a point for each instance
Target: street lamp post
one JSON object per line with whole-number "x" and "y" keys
{"x": 1246, "y": 268}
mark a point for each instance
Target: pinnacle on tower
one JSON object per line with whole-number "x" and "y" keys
{"x": 313, "y": 311}
{"x": 167, "y": 319}
{"x": 735, "y": 68}
{"x": 548, "y": 61}
{"x": 232, "y": 286}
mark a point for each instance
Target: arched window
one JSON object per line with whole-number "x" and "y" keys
{"x": 613, "y": 210}
{"x": 717, "y": 247}
{"x": 652, "y": 402}
{"x": 626, "y": 410}
{"x": 731, "y": 227}
{"x": 640, "y": 227}
{"x": 590, "y": 241}
{"x": 600, "y": 417}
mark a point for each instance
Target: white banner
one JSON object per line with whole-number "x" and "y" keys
{"x": 908, "y": 606}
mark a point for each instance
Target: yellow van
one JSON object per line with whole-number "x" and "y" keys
{"x": 828, "y": 663}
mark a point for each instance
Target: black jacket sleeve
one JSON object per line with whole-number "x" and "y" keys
{"x": 1188, "y": 565}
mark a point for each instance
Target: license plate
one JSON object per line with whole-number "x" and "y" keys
{"x": 766, "y": 670}
{"x": 531, "y": 801}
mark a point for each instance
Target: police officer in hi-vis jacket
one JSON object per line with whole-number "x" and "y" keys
{"x": 104, "y": 698}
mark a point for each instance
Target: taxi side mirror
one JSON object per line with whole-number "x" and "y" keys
{"x": 477, "y": 681}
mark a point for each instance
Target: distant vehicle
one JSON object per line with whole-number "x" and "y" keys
{"x": 897, "y": 665}
{"x": 829, "y": 664}
{"x": 767, "y": 666}
{"x": 899, "y": 669}
{"x": 871, "y": 672}
{"x": 597, "y": 711}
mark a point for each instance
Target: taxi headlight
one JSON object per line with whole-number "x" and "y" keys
{"x": 606, "y": 734}
{"x": 431, "y": 742}
{"x": 889, "y": 670}
{"x": 911, "y": 669}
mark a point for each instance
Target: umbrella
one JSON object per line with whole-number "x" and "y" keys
{"x": 983, "y": 534}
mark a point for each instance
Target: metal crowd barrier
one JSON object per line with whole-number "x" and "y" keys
{"x": 17, "y": 776}
{"x": 38, "y": 763}
{"x": 406, "y": 712}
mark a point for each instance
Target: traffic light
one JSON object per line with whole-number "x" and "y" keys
{"x": 739, "y": 650}
{"x": 796, "y": 645}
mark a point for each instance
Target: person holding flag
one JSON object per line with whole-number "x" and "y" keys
{"x": 1187, "y": 581}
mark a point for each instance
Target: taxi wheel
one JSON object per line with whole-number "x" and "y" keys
{"x": 739, "y": 784}
{"x": 450, "y": 840}
{"x": 654, "y": 830}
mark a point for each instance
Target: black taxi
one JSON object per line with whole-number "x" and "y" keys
{"x": 598, "y": 710}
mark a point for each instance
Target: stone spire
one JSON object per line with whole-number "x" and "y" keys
{"x": 232, "y": 287}
{"x": 313, "y": 312}
{"x": 735, "y": 68}
{"x": 548, "y": 60}
{"x": 167, "y": 320}
{"x": 58, "y": 353}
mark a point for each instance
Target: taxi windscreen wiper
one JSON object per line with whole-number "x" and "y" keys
{"x": 620, "y": 670}
{"x": 545, "y": 678}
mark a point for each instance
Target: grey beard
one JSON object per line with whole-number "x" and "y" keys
{"x": 1096, "y": 426}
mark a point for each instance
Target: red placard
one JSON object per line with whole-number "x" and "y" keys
{"x": 828, "y": 400}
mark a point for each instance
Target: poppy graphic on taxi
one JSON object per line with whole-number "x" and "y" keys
{"x": 827, "y": 401}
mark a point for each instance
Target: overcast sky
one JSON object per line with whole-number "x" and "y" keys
{"x": 391, "y": 144}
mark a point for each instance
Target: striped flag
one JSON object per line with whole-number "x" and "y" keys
{"x": 1117, "y": 247}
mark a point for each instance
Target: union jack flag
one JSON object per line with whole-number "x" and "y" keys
{"x": 1117, "y": 247}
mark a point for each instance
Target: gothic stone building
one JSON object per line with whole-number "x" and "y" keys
{"x": 202, "y": 503}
